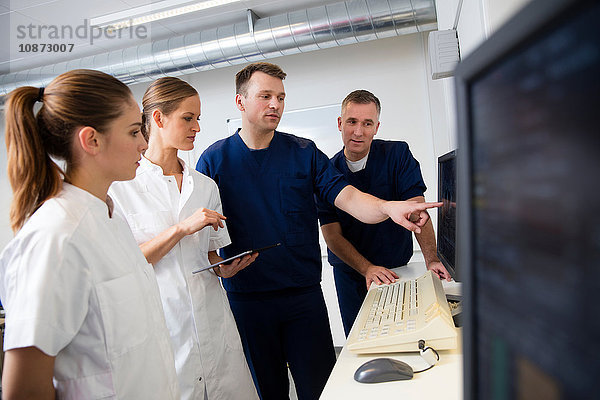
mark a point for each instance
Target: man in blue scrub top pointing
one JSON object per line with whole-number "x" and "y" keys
{"x": 360, "y": 252}
{"x": 268, "y": 180}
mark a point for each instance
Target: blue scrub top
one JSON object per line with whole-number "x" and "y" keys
{"x": 270, "y": 199}
{"x": 391, "y": 173}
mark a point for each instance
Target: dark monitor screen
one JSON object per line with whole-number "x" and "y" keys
{"x": 446, "y": 223}
{"x": 529, "y": 215}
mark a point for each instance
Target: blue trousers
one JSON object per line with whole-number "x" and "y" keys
{"x": 351, "y": 289}
{"x": 281, "y": 328}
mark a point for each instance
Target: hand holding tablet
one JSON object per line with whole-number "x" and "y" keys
{"x": 230, "y": 259}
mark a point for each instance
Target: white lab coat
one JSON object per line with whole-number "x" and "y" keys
{"x": 75, "y": 285}
{"x": 206, "y": 343}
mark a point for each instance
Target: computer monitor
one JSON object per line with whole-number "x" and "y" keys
{"x": 446, "y": 222}
{"x": 528, "y": 105}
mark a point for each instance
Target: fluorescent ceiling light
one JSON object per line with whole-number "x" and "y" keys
{"x": 154, "y": 12}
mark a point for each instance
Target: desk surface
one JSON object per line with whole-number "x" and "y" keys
{"x": 443, "y": 381}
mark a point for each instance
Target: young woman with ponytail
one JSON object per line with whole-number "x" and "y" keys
{"x": 83, "y": 313}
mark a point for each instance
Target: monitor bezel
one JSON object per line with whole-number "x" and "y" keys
{"x": 450, "y": 266}
{"x": 516, "y": 33}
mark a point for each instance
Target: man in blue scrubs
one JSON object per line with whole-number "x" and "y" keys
{"x": 268, "y": 180}
{"x": 361, "y": 252}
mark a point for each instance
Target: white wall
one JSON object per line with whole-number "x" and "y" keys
{"x": 392, "y": 68}
{"x": 478, "y": 20}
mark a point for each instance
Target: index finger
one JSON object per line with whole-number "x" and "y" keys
{"x": 388, "y": 273}
{"x": 386, "y": 279}
{"x": 220, "y": 216}
{"x": 216, "y": 214}
{"x": 424, "y": 206}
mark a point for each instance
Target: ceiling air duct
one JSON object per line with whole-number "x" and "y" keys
{"x": 257, "y": 39}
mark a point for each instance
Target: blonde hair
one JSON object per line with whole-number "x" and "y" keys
{"x": 74, "y": 99}
{"x": 164, "y": 94}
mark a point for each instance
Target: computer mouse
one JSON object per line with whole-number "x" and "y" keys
{"x": 383, "y": 370}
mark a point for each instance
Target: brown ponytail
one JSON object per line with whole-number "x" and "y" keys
{"x": 74, "y": 99}
{"x": 33, "y": 176}
{"x": 164, "y": 94}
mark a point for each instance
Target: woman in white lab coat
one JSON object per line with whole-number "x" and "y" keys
{"x": 175, "y": 215}
{"x": 83, "y": 312}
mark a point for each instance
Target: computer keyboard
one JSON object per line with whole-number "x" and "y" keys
{"x": 394, "y": 317}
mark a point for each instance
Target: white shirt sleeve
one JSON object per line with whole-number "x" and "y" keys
{"x": 47, "y": 290}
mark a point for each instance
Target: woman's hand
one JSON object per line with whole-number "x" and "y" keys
{"x": 229, "y": 270}
{"x": 202, "y": 218}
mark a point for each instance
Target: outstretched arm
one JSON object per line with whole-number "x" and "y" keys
{"x": 371, "y": 210}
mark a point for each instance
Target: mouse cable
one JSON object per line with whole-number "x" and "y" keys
{"x": 429, "y": 354}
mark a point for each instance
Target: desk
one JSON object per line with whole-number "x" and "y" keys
{"x": 443, "y": 381}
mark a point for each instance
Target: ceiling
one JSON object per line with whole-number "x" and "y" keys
{"x": 22, "y": 21}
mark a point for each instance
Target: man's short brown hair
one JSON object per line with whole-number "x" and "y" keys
{"x": 243, "y": 77}
{"x": 362, "y": 97}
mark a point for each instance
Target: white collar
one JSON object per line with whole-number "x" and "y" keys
{"x": 85, "y": 198}
{"x": 147, "y": 165}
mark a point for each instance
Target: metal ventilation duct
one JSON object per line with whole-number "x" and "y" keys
{"x": 258, "y": 39}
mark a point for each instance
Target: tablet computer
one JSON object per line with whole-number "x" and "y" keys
{"x": 230, "y": 259}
